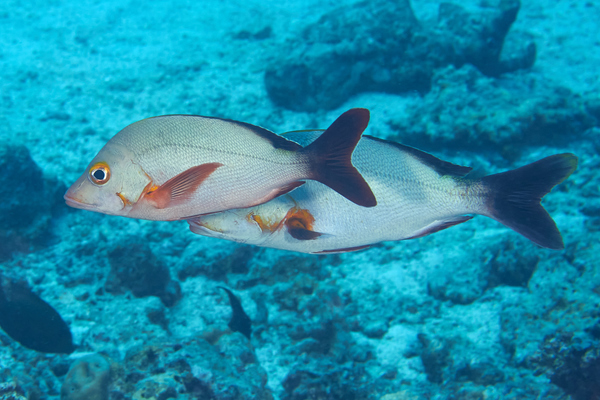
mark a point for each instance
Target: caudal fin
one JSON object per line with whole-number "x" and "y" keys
{"x": 516, "y": 195}
{"x": 331, "y": 156}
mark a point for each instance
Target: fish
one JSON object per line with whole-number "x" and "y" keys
{"x": 32, "y": 322}
{"x": 417, "y": 194}
{"x": 240, "y": 321}
{"x": 175, "y": 167}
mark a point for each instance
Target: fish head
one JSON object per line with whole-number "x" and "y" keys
{"x": 229, "y": 225}
{"x": 253, "y": 225}
{"x": 111, "y": 184}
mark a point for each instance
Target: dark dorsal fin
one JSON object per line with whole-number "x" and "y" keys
{"x": 440, "y": 166}
{"x": 276, "y": 140}
{"x": 331, "y": 157}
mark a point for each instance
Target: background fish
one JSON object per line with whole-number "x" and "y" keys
{"x": 417, "y": 194}
{"x": 31, "y": 321}
{"x": 177, "y": 166}
{"x": 240, "y": 321}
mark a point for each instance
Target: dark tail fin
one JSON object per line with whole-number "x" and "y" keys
{"x": 331, "y": 156}
{"x": 516, "y": 195}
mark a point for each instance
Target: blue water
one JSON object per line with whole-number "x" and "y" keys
{"x": 471, "y": 312}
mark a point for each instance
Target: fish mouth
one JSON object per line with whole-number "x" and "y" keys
{"x": 196, "y": 224}
{"x": 75, "y": 203}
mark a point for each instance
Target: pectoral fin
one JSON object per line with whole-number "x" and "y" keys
{"x": 299, "y": 223}
{"x": 179, "y": 189}
{"x": 301, "y": 233}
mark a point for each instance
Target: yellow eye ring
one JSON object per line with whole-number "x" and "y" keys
{"x": 100, "y": 173}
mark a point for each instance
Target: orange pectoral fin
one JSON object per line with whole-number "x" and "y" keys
{"x": 299, "y": 224}
{"x": 179, "y": 189}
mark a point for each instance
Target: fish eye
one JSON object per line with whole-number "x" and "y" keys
{"x": 100, "y": 173}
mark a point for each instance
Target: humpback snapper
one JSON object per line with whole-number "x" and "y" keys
{"x": 178, "y": 166}
{"x": 417, "y": 194}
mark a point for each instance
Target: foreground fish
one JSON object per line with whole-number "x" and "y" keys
{"x": 178, "y": 166}
{"x": 417, "y": 194}
{"x": 31, "y": 321}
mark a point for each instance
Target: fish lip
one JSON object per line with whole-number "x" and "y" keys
{"x": 73, "y": 202}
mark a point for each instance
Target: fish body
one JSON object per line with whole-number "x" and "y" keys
{"x": 240, "y": 321}
{"x": 417, "y": 194}
{"x": 177, "y": 166}
{"x": 31, "y": 321}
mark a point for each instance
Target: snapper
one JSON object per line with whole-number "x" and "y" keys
{"x": 179, "y": 166}
{"x": 417, "y": 194}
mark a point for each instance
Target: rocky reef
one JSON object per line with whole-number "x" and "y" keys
{"x": 474, "y": 312}
{"x": 468, "y": 110}
{"x": 381, "y": 46}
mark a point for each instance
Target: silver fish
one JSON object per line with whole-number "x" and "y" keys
{"x": 178, "y": 166}
{"x": 417, "y": 194}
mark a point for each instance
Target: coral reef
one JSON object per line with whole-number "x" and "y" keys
{"x": 572, "y": 362}
{"x": 225, "y": 370}
{"x": 11, "y": 391}
{"x": 136, "y": 268}
{"x": 380, "y": 46}
{"x": 470, "y": 313}
{"x": 87, "y": 379}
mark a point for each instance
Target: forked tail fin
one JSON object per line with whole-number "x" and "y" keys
{"x": 331, "y": 156}
{"x": 516, "y": 195}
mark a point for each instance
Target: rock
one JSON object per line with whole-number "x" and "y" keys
{"x": 402, "y": 395}
{"x": 572, "y": 363}
{"x": 223, "y": 371}
{"x": 11, "y": 391}
{"x": 134, "y": 267}
{"x": 435, "y": 355}
{"x": 235, "y": 262}
{"x": 469, "y": 109}
{"x": 326, "y": 380}
{"x": 28, "y": 201}
{"x": 87, "y": 379}
{"x": 480, "y": 373}
{"x": 513, "y": 264}
{"x": 380, "y": 46}
{"x": 460, "y": 287}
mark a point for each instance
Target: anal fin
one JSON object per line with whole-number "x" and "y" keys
{"x": 440, "y": 225}
{"x": 344, "y": 250}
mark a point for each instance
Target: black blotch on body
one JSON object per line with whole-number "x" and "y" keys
{"x": 240, "y": 322}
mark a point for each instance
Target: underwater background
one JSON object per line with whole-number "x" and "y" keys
{"x": 471, "y": 312}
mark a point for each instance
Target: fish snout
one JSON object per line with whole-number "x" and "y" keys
{"x": 73, "y": 196}
{"x": 87, "y": 197}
